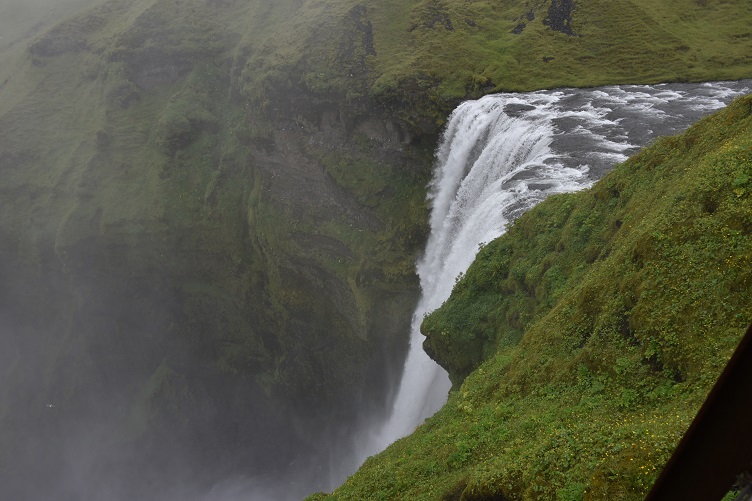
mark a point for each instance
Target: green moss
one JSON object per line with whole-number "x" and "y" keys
{"x": 192, "y": 269}
{"x": 234, "y": 174}
{"x": 419, "y": 58}
{"x": 630, "y": 296}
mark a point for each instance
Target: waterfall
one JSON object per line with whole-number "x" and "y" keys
{"x": 499, "y": 156}
{"x": 490, "y": 162}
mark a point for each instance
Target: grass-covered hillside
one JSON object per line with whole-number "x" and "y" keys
{"x": 210, "y": 210}
{"x": 583, "y": 341}
{"x": 192, "y": 288}
{"x": 420, "y": 57}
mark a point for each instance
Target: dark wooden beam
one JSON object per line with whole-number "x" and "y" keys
{"x": 717, "y": 447}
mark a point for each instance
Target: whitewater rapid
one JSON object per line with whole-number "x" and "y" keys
{"x": 501, "y": 155}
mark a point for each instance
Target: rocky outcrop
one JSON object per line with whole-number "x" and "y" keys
{"x": 188, "y": 270}
{"x": 559, "y": 16}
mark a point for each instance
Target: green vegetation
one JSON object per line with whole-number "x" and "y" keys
{"x": 419, "y": 58}
{"x": 212, "y": 208}
{"x": 172, "y": 253}
{"x": 582, "y": 341}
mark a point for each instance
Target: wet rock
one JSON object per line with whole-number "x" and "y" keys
{"x": 560, "y": 16}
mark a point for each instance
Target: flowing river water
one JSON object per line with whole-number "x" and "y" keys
{"x": 501, "y": 155}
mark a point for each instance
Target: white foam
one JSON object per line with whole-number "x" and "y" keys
{"x": 485, "y": 167}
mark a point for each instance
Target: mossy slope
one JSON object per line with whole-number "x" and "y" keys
{"x": 210, "y": 208}
{"x": 603, "y": 318}
{"x": 197, "y": 281}
{"x": 417, "y": 59}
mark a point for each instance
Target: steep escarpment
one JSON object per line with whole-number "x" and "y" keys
{"x": 188, "y": 276}
{"x": 601, "y": 320}
{"x": 210, "y": 211}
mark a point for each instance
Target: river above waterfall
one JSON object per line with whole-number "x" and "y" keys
{"x": 501, "y": 155}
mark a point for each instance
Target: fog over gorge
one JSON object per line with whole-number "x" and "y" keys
{"x": 223, "y": 222}
{"x": 118, "y": 262}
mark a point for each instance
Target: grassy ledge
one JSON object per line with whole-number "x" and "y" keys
{"x": 598, "y": 322}
{"x": 210, "y": 208}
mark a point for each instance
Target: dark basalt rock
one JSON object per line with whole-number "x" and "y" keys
{"x": 529, "y": 16}
{"x": 560, "y": 16}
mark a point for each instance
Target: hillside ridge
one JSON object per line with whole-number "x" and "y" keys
{"x": 211, "y": 211}
{"x": 605, "y": 317}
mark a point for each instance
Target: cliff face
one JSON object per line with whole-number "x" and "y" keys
{"x": 583, "y": 341}
{"x": 186, "y": 268}
{"x": 210, "y": 210}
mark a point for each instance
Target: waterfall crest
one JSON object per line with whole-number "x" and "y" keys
{"x": 499, "y": 156}
{"x": 485, "y": 166}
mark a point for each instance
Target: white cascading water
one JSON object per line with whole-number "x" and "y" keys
{"x": 502, "y": 154}
{"x": 499, "y": 156}
{"x": 484, "y": 149}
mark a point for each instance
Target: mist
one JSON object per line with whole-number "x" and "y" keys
{"x": 208, "y": 236}
{"x": 93, "y": 446}
{"x": 22, "y": 20}
{"x": 155, "y": 342}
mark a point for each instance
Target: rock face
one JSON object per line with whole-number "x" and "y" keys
{"x": 604, "y": 316}
{"x": 560, "y": 16}
{"x": 210, "y": 212}
{"x": 191, "y": 276}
